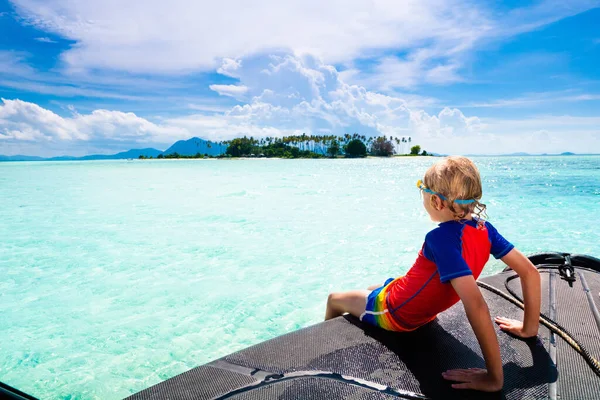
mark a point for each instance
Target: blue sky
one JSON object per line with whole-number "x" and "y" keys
{"x": 489, "y": 77}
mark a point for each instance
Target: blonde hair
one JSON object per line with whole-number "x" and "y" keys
{"x": 457, "y": 178}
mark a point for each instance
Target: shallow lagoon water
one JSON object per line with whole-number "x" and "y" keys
{"x": 119, "y": 274}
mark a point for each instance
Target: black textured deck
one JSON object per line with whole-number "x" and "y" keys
{"x": 311, "y": 389}
{"x": 407, "y": 361}
{"x": 203, "y": 382}
{"x": 574, "y": 313}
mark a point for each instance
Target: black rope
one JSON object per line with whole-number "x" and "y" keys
{"x": 547, "y": 321}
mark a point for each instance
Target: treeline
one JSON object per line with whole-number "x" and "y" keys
{"x": 312, "y": 146}
{"x": 177, "y": 155}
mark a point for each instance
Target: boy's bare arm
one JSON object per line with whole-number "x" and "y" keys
{"x": 531, "y": 287}
{"x": 492, "y": 379}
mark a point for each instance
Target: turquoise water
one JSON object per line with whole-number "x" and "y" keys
{"x": 117, "y": 275}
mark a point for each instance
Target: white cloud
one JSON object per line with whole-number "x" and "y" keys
{"x": 16, "y": 73}
{"x": 235, "y": 91}
{"x": 45, "y": 40}
{"x": 219, "y": 127}
{"x": 65, "y": 90}
{"x": 392, "y": 72}
{"x": 418, "y": 67}
{"x": 27, "y": 121}
{"x": 534, "y": 99}
{"x": 451, "y": 132}
{"x": 440, "y": 61}
{"x": 289, "y": 95}
{"x": 433, "y": 37}
{"x": 147, "y": 36}
{"x": 13, "y": 63}
{"x": 443, "y": 74}
{"x": 229, "y": 66}
{"x": 20, "y": 120}
{"x": 210, "y": 107}
{"x": 541, "y": 13}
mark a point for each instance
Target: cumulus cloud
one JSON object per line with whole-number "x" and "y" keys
{"x": 292, "y": 94}
{"x": 289, "y": 94}
{"x": 20, "y": 120}
{"x": 229, "y": 66}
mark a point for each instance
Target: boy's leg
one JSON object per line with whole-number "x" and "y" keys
{"x": 353, "y": 302}
{"x": 373, "y": 287}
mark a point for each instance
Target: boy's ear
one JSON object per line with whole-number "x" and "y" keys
{"x": 439, "y": 204}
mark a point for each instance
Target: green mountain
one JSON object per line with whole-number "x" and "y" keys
{"x": 194, "y": 146}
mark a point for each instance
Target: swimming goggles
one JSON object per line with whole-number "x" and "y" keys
{"x": 424, "y": 188}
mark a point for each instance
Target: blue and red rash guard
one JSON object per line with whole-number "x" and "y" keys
{"x": 451, "y": 250}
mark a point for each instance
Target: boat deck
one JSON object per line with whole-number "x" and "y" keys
{"x": 346, "y": 359}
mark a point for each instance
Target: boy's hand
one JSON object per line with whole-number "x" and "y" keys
{"x": 513, "y": 326}
{"x": 473, "y": 378}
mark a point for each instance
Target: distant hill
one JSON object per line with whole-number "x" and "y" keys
{"x": 62, "y": 158}
{"x": 21, "y": 158}
{"x": 196, "y": 145}
{"x": 188, "y": 147}
{"x": 133, "y": 153}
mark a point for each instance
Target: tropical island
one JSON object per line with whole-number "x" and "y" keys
{"x": 299, "y": 146}
{"x": 303, "y": 146}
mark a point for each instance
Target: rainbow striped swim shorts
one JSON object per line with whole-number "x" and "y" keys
{"x": 377, "y": 312}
